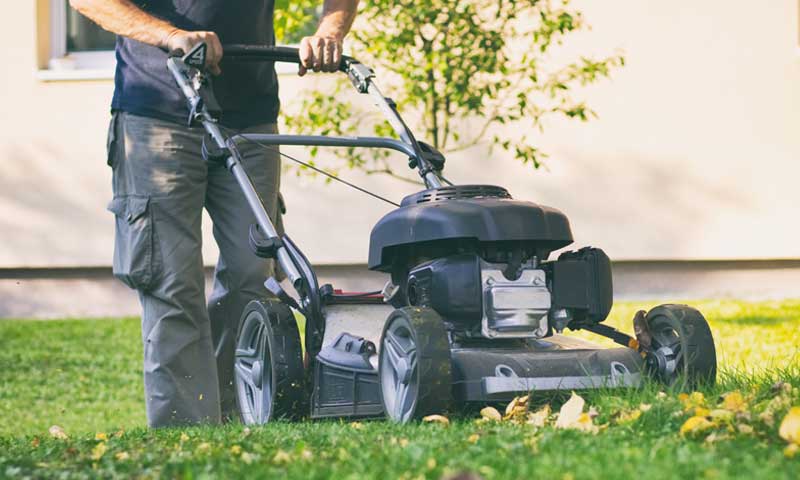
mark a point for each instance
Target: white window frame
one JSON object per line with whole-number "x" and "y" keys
{"x": 100, "y": 65}
{"x": 65, "y": 65}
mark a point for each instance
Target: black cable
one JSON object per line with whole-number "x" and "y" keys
{"x": 319, "y": 170}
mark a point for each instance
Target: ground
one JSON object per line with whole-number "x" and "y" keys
{"x": 84, "y": 376}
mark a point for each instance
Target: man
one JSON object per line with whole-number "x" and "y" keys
{"x": 161, "y": 184}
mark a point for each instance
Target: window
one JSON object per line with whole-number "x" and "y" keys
{"x": 79, "y": 49}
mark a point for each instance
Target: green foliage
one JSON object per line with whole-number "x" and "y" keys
{"x": 464, "y": 68}
{"x": 295, "y": 20}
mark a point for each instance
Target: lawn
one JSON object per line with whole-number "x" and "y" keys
{"x": 84, "y": 376}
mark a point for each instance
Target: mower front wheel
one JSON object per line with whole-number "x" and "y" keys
{"x": 414, "y": 367}
{"x": 682, "y": 346}
{"x": 268, "y": 367}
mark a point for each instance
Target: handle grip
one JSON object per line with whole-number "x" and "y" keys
{"x": 261, "y": 53}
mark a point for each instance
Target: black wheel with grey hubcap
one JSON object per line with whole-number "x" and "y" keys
{"x": 414, "y": 367}
{"x": 268, "y": 367}
{"x": 682, "y": 346}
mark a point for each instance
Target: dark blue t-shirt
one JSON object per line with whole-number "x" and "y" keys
{"x": 246, "y": 91}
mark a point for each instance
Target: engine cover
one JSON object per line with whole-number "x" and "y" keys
{"x": 483, "y": 213}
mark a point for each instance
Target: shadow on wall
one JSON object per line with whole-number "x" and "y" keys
{"x": 50, "y": 208}
{"x": 663, "y": 205}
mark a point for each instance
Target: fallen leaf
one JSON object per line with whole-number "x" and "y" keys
{"x": 570, "y": 412}
{"x": 99, "y": 450}
{"x": 701, "y": 412}
{"x": 645, "y": 407}
{"x": 403, "y": 442}
{"x": 661, "y": 395}
{"x": 122, "y": 456}
{"x": 356, "y": 425}
{"x": 491, "y": 413}
{"x": 35, "y": 442}
{"x": 791, "y": 450}
{"x": 721, "y": 415}
{"x": 517, "y": 408}
{"x": 539, "y": 418}
{"x": 695, "y": 425}
{"x": 431, "y": 464}
{"x": 200, "y": 397}
{"x": 790, "y": 426}
{"x": 473, "y": 438}
{"x": 184, "y": 437}
{"x": 100, "y": 436}
{"x": 733, "y": 401}
{"x": 629, "y": 417}
{"x": 306, "y": 454}
{"x": 203, "y": 447}
{"x": 247, "y": 457}
{"x": 246, "y": 432}
{"x": 744, "y": 428}
{"x": 236, "y": 450}
{"x": 716, "y": 437}
{"x": 436, "y": 419}
{"x": 58, "y": 432}
{"x": 281, "y": 457}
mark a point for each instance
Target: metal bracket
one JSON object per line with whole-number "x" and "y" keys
{"x": 360, "y": 75}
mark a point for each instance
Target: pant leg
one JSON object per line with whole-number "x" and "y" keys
{"x": 159, "y": 183}
{"x": 239, "y": 276}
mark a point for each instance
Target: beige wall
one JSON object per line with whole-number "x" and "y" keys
{"x": 695, "y": 154}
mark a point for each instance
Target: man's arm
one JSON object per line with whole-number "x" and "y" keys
{"x": 323, "y": 50}
{"x": 126, "y": 19}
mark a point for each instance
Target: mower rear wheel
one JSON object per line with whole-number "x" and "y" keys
{"x": 682, "y": 346}
{"x": 268, "y": 367}
{"x": 414, "y": 365}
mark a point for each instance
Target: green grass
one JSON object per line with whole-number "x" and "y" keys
{"x": 85, "y": 376}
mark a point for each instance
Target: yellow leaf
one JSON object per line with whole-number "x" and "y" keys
{"x": 403, "y": 442}
{"x": 184, "y": 437}
{"x": 585, "y": 424}
{"x": 701, "y": 412}
{"x": 644, "y": 407}
{"x": 733, "y": 401}
{"x": 200, "y": 397}
{"x": 306, "y": 454}
{"x": 441, "y": 419}
{"x": 661, "y": 395}
{"x": 721, "y": 415}
{"x": 694, "y": 425}
{"x": 99, "y": 450}
{"x": 517, "y": 406}
{"x": 744, "y": 428}
{"x": 431, "y": 464}
{"x": 236, "y": 450}
{"x": 491, "y": 413}
{"x": 58, "y": 432}
{"x": 791, "y": 450}
{"x": 100, "y": 436}
{"x": 628, "y": 417}
{"x": 473, "y": 438}
{"x": 539, "y": 418}
{"x": 122, "y": 456}
{"x": 356, "y": 425}
{"x": 716, "y": 437}
{"x": 281, "y": 457}
{"x": 247, "y": 457}
{"x": 204, "y": 447}
{"x": 570, "y": 412}
{"x": 790, "y": 426}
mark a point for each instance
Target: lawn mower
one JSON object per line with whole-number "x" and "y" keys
{"x": 473, "y": 307}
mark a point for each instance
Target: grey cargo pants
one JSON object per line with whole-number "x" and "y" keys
{"x": 160, "y": 185}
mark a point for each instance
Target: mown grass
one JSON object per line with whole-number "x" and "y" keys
{"x": 85, "y": 376}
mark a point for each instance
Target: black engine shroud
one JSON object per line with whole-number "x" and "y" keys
{"x": 436, "y": 220}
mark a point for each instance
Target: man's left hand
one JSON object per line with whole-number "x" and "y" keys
{"x": 320, "y": 53}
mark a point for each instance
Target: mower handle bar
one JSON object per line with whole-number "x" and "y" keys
{"x": 261, "y": 53}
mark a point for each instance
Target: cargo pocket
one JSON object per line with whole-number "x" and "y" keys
{"x": 111, "y": 139}
{"x": 134, "y": 245}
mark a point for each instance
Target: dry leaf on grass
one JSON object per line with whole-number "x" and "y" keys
{"x": 281, "y": 457}
{"x": 791, "y": 450}
{"x": 517, "y": 409}
{"x": 733, "y": 401}
{"x": 491, "y": 413}
{"x": 99, "y": 450}
{"x": 122, "y": 456}
{"x": 695, "y": 425}
{"x": 572, "y": 416}
{"x": 539, "y": 418}
{"x": 473, "y": 438}
{"x": 58, "y": 433}
{"x": 441, "y": 419}
{"x": 790, "y": 426}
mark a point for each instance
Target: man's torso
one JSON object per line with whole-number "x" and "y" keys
{"x": 247, "y": 92}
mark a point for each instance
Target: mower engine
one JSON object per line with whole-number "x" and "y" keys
{"x": 514, "y": 300}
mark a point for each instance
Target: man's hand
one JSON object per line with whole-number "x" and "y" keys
{"x": 320, "y": 54}
{"x": 186, "y": 41}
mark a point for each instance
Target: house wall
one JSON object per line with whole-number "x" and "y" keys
{"x": 694, "y": 156}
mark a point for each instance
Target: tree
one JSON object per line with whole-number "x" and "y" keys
{"x": 463, "y": 67}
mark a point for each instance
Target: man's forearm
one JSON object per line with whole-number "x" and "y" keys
{"x": 337, "y": 18}
{"x": 126, "y": 19}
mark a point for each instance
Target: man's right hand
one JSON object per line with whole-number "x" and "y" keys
{"x": 184, "y": 40}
